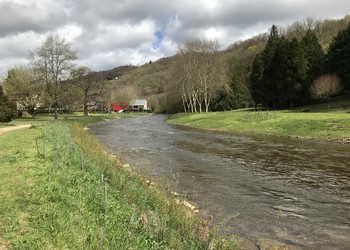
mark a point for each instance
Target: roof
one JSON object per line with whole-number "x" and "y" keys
{"x": 116, "y": 107}
{"x": 138, "y": 102}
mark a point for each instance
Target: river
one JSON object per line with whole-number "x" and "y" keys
{"x": 292, "y": 191}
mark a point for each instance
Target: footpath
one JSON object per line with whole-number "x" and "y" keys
{"x": 8, "y": 129}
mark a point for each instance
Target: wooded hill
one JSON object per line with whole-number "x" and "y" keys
{"x": 158, "y": 81}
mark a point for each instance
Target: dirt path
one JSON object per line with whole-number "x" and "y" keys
{"x": 8, "y": 129}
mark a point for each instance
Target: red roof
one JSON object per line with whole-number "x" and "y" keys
{"x": 116, "y": 107}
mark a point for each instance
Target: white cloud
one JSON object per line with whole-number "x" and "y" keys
{"x": 109, "y": 33}
{"x": 70, "y": 32}
{"x": 19, "y": 45}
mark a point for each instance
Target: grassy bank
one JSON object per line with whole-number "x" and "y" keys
{"x": 59, "y": 190}
{"x": 93, "y": 118}
{"x": 309, "y": 125}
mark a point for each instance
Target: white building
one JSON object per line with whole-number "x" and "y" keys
{"x": 138, "y": 105}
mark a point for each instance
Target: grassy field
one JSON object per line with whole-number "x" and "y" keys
{"x": 318, "y": 123}
{"x": 60, "y": 190}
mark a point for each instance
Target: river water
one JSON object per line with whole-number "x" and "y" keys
{"x": 293, "y": 191}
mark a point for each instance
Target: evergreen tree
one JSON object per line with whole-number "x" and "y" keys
{"x": 8, "y": 109}
{"x": 263, "y": 87}
{"x": 338, "y": 58}
{"x": 289, "y": 72}
{"x": 268, "y": 78}
{"x": 232, "y": 98}
{"x": 279, "y": 72}
{"x": 258, "y": 88}
{"x": 297, "y": 73}
{"x": 315, "y": 57}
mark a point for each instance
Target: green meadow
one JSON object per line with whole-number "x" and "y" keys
{"x": 311, "y": 122}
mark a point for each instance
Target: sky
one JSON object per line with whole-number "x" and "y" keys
{"x": 110, "y": 33}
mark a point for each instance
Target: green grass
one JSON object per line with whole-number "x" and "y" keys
{"x": 42, "y": 119}
{"x": 291, "y": 123}
{"x": 340, "y": 105}
{"x": 53, "y": 197}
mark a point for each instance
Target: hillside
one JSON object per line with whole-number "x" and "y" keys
{"x": 156, "y": 80}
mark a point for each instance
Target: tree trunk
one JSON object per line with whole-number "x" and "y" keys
{"x": 86, "y": 112}
{"x": 56, "y": 112}
{"x": 207, "y": 108}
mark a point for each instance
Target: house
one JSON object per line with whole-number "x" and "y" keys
{"x": 116, "y": 108}
{"x": 138, "y": 105}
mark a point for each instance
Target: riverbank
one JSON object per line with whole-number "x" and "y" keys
{"x": 303, "y": 125}
{"x": 60, "y": 190}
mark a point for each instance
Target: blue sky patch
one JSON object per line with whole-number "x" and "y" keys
{"x": 159, "y": 38}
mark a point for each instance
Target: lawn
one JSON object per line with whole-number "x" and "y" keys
{"x": 320, "y": 124}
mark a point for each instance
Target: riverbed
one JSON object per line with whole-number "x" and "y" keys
{"x": 292, "y": 191}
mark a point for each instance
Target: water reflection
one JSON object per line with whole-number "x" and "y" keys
{"x": 289, "y": 190}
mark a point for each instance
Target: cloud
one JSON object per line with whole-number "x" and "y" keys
{"x": 109, "y": 33}
{"x": 39, "y": 16}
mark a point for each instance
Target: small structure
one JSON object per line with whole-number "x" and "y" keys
{"x": 138, "y": 105}
{"x": 116, "y": 108}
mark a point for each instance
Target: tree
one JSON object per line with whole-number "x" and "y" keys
{"x": 258, "y": 89}
{"x": 53, "y": 62}
{"x": 268, "y": 77}
{"x": 22, "y": 86}
{"x": 231, "y": 97}
{"x": 338, "y": 58}
{"x": 325, "y": 87}
{"x": 8, "y": 109}
{"x": 198, "y": 67}
{"x": 124, "y": 95}
{"x": 297, "y": 73}
{"x": 314, "y": 55}
{"x": 279, "y": 72}
{"x": 290, "y": 68}
{"x": 91, "y": 87}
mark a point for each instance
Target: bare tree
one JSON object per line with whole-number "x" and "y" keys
{"x": 53, "y": 62}
{"x": 198, "y": 73}
{"x": 124, "y": 95}
{"x": 22, "y": 86}
{"x": 91, "y": 87}
{"x": 325, "y": 87}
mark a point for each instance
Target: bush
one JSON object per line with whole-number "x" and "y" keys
{"x": 8, "y": 109}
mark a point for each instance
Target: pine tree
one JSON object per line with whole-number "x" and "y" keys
{"x": 280, "y": 72}
{"x": 338, "y": 58}
{"x": 258, "y": 88}
{"x": 314, "y": 55}
{"x": 268, "y": 78}
{"x": 297, "y": 74}
{"x": 230, "y": 98}
{"x": 263, "y": 87}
